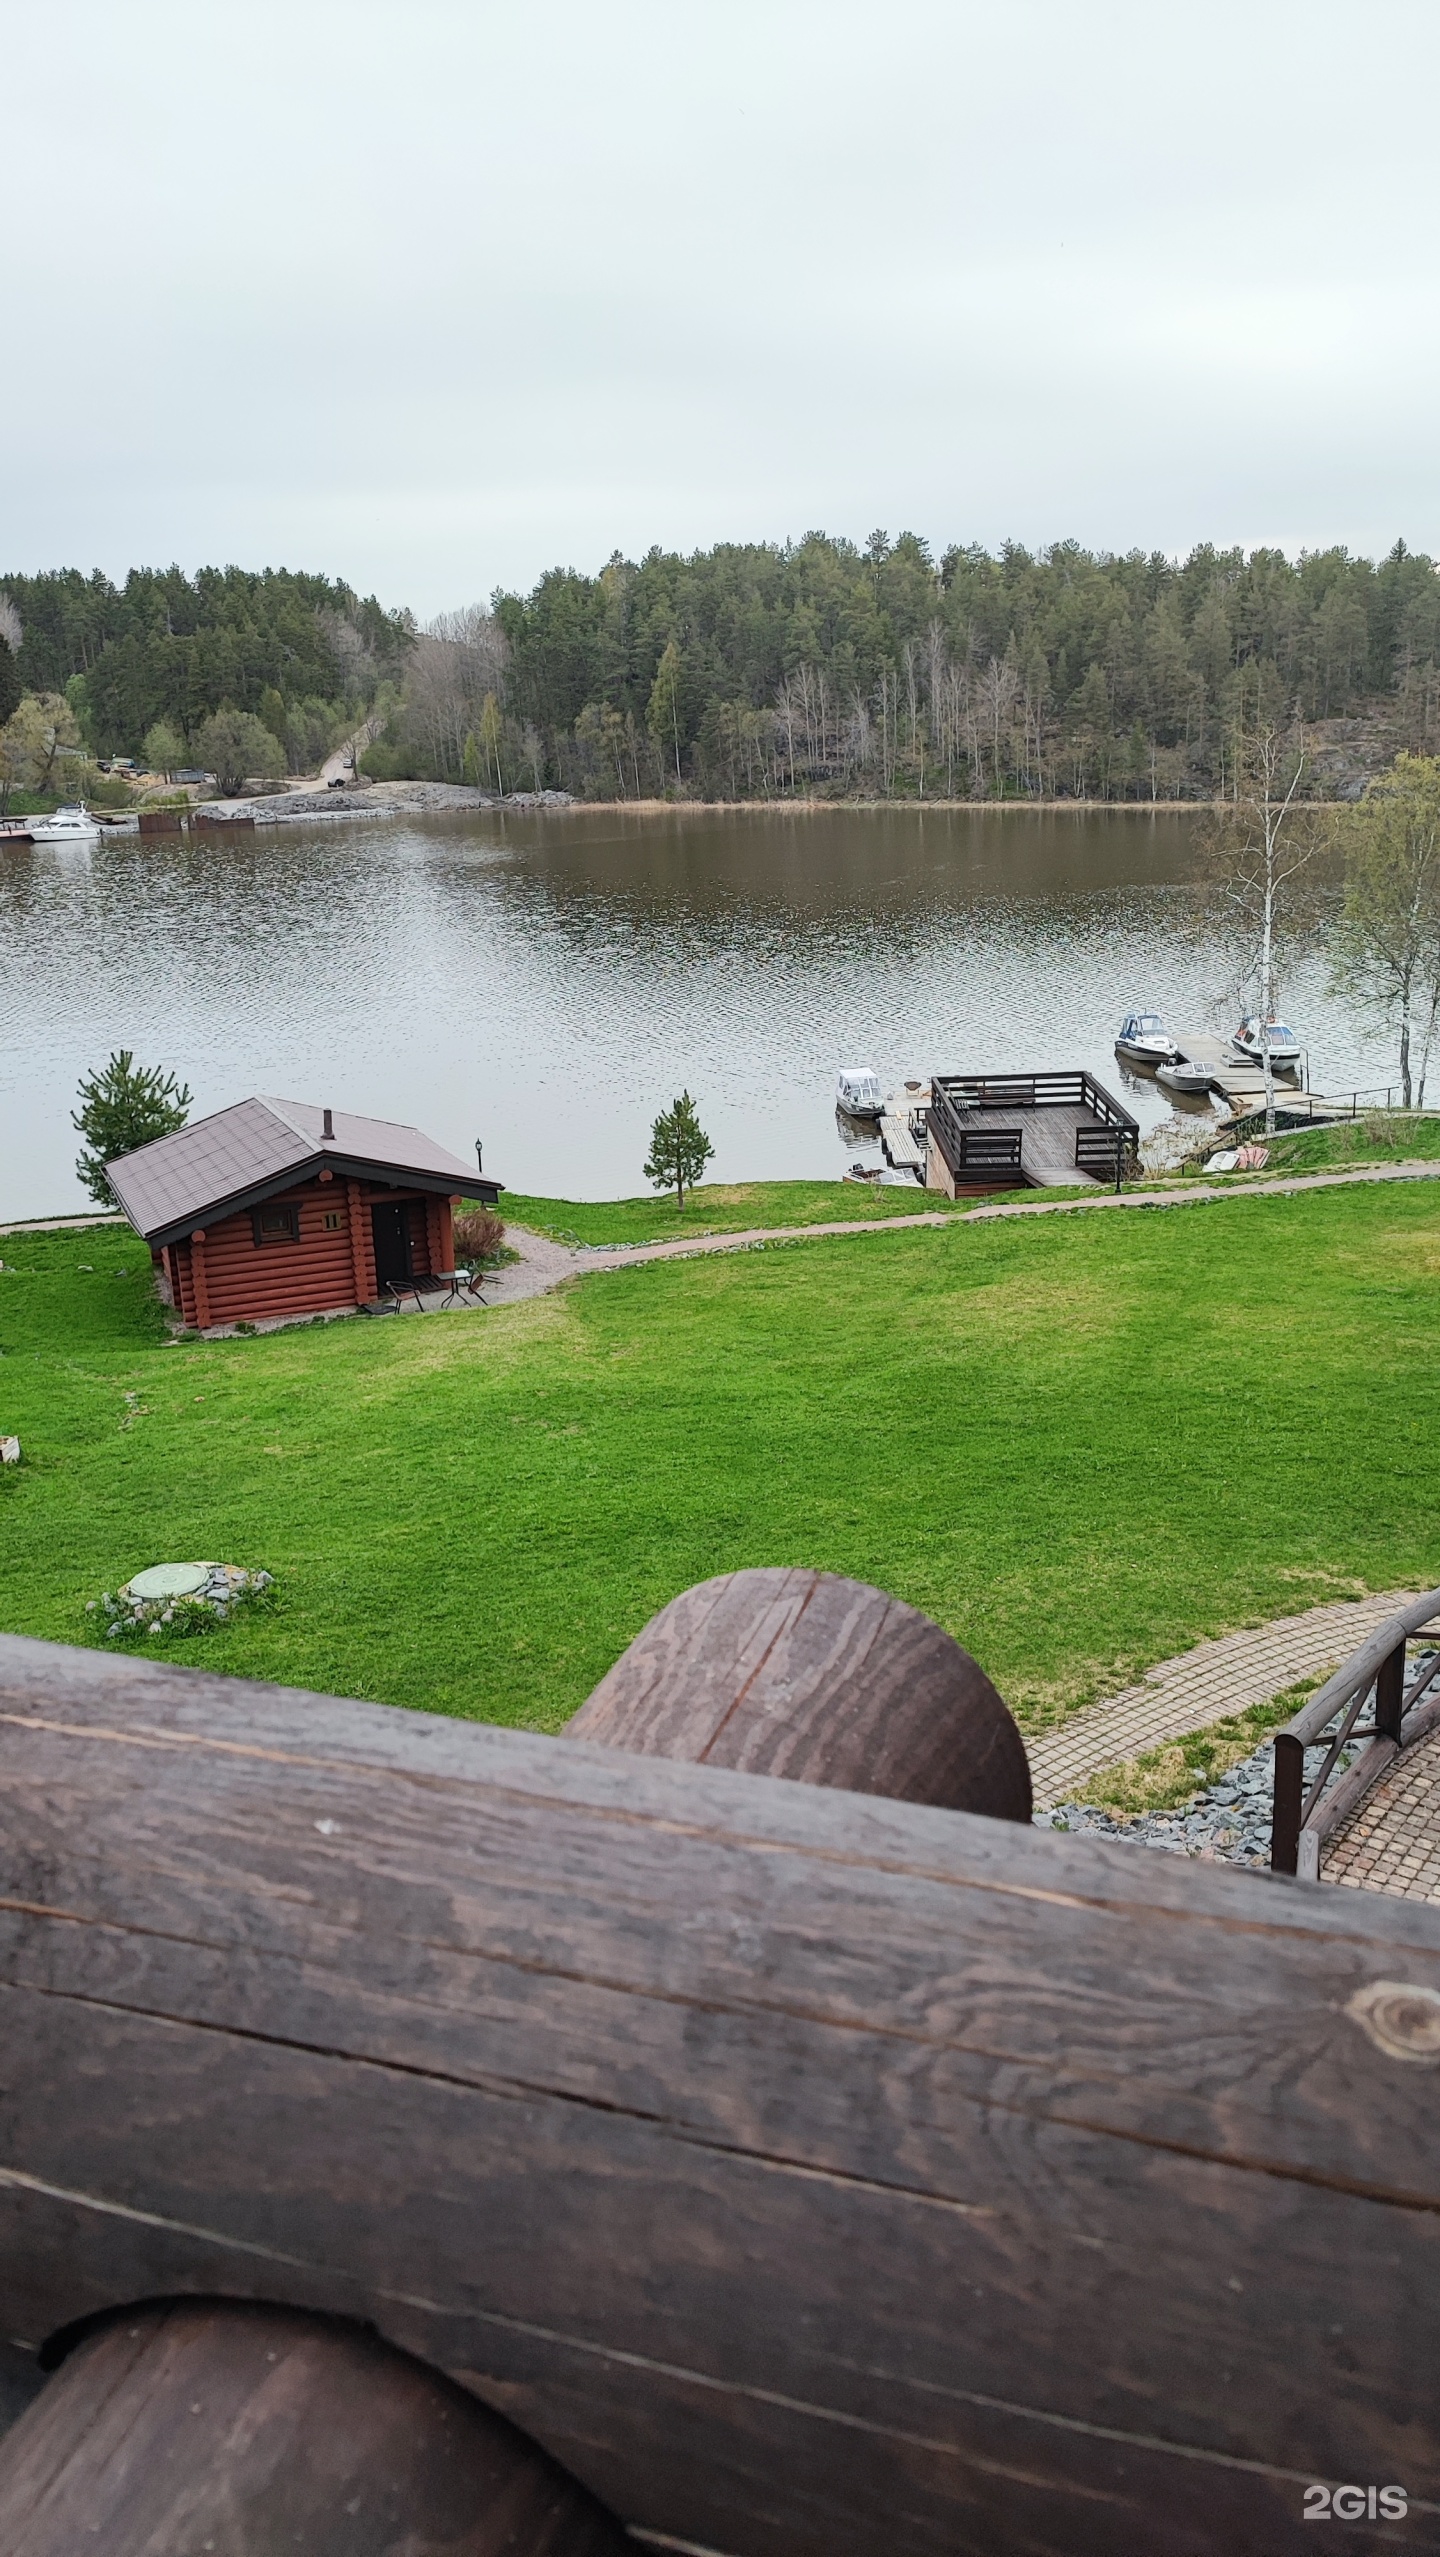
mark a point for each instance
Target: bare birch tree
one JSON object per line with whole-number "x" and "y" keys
{"x": 1260, "y": 846}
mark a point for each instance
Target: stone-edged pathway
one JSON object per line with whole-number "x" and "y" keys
{"x": 1200, "y": 1687}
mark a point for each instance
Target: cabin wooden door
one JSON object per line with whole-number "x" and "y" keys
{"x": 390, "y": 1224}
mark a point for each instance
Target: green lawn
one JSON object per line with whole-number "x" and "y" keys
{"x": 718, "y": 1208}
{"x": 1378, "y": 1139}
{"x": 1081, "y": 1442}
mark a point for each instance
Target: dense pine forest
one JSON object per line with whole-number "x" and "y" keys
{"x": 766, "y": 670}
{"x": 165, "y": 651}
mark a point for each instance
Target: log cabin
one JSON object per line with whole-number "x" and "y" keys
{"x": 276, "y": 1209}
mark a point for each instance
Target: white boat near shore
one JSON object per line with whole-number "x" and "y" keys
{"x": 1183, "y": 1074}
{"x": 1253, "y": 1038}
{"x": 858, "y": 1093}
{"x": 68, "y": 825}
{"x": 1143, "y": 1039}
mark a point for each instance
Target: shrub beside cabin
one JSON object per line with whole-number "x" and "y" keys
{"x": 276, "y": 1208}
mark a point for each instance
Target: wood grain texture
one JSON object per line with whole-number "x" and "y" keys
{"x": 823, "y": 1680}
{"x": 251, "y": 2431}
{"x": 806, "y": 2171}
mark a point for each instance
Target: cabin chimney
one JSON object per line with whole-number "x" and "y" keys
{"x": 328, "y": 1130}
{"x": 479, "y": 1156}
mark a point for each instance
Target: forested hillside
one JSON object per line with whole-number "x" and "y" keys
{"x": 762, "y": 670}
{"x": 166, "y": 650}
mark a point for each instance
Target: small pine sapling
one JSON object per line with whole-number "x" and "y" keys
{"x": 124, "y": 1106}
{"x": 679, "y": 1149}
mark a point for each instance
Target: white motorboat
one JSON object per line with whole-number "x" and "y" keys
{"x": 1144, "y": 1040}
{"x": 68, "y": 825}
{"x": 1182, "y": 1074}
{"x": 858, "y": 1093}
{"x": 1254, "y": 1036}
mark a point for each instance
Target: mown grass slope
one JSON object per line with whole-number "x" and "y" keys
{"x": 1081, "y": 1442}
{"x": 720, "y": 1207}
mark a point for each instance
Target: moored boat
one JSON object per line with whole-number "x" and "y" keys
{"x": 1143, "y": 1039}
{"x": 68, "y": 825}
{"x": 858, "y": 1093}
{"x": 1254, "y": 1036}
{"x": 1182, "y": 1074}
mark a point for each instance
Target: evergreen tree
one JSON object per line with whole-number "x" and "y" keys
{"x": 124, "y": 1106}
{"x": 11, "y": 687}
{"x": 679, "y": 1149}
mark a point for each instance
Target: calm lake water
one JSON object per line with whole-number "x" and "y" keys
{"x": 548, "y": 983}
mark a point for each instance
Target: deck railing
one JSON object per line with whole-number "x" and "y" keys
{"x": 989, "y": 1150}
{"x": 1107, "y": 1149}
{"x": 1095, "y": 1147}
{"x": 1309, "y": 1809}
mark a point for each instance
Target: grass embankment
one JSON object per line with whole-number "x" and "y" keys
{"x": 1163, "y": 1777}
{"x": 1347, "y": 1143}
{"x": 718, "y": 1207}
{"x": 1080, "y": 1442}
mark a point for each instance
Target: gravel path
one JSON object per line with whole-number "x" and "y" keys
{"x": 560, "y": 1261}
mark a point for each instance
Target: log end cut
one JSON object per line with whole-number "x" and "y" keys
{"x": 821, "y": 1679}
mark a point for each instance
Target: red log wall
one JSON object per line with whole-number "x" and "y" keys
{"x": 328, "y": 1269}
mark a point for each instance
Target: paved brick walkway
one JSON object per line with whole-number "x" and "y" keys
{"x": 1202, "y": 1686}
{"x": 1392, "y": 1841}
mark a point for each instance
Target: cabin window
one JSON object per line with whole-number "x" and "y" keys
{"x": 278, "y": 1222}
{"x": 334, "y": 1218}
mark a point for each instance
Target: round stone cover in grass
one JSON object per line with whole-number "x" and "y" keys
{"x": 169, "y": 1580}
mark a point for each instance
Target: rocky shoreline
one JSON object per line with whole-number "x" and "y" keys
{"x": 375, "y": 799}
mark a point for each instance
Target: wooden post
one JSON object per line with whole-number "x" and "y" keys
{"x": 825, "y": 1680}
{"x": 197, "y": 1278}
{"x": 437, "y": 1235}
{"x": 1390, "y": 1694}
{"x": 362, "y": 1247}
{"x": 1289, "y": 1799}
{"x": 210, "y": 2424}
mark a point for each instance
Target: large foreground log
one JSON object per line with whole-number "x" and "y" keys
{"x": 806, "y": 2172}
{"x": 254, "y": 2431}
{"x": 825, "y": 1680}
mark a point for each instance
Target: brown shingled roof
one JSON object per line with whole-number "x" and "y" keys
{"x": 242, "y": 1154}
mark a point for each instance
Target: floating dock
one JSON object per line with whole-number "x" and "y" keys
{"x": 902, "y": 1149}
{"x": 1242, "y": 1083}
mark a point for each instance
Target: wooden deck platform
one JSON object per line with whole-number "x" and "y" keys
{"x": 1044, "y": 1130}
{"x": 1047, "y": 1141}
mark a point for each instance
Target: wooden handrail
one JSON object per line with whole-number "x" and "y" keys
{"x": 1304, "y": 1815}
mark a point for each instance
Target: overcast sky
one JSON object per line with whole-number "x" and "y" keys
{"x": 435, "y": 296}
